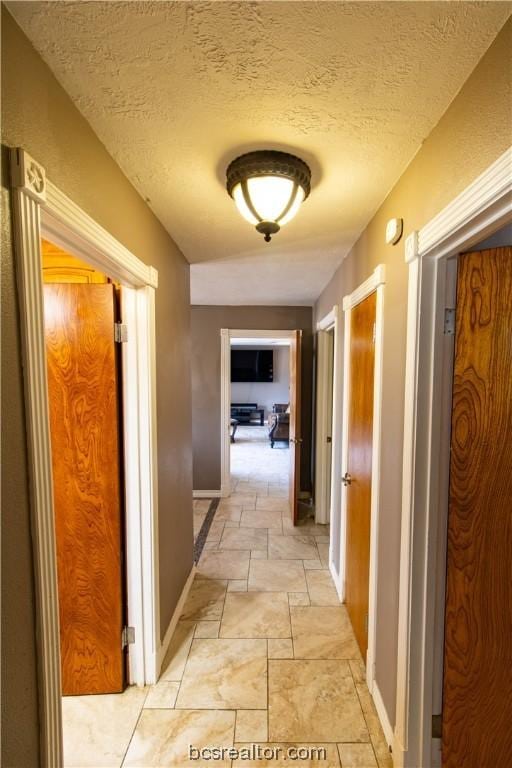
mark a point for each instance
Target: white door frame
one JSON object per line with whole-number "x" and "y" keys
{"x": 326, "y": 373}
{"x": 480, "y": 210}
{"x": 42, "y": 210}
{"x": 226, "y": 336}
{"x": 375, "y": 283}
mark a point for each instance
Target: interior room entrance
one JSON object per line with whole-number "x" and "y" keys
{"x": 260, "y": 415}
{"x": 324, "y": 437}
{"x": 81, "y": 310}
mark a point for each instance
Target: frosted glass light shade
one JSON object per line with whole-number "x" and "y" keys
{"x": 294, "y": 207}
{"x": 238, "y": 197}
{"x": 268, "y": 188}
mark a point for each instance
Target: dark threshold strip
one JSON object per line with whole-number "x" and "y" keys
{"x": 203, "y": 533}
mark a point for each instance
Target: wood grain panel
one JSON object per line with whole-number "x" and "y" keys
{"x": 477, "y": 705}
{"x": 295, "y": 422}
{"x": 360, "y": 440}
{"x": 79, "y": 323}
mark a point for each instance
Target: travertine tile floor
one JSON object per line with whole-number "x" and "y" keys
{"x": 263, "y": 653}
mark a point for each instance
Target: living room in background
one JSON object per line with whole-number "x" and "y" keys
{"x": 252, "y": 414}
{"x": 259, "y": 414}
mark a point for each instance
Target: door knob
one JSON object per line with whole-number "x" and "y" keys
{"x": 346, "y": 479}
{"x": 296, "y": 440}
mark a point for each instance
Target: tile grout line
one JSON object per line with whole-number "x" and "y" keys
{"x": 268, "y": 695}
{"x": 361, "y": 708}
{"x": 133, "y": 732}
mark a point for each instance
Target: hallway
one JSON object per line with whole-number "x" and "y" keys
{"x": 263, "y": 654}
{"x": 278, "y": 199}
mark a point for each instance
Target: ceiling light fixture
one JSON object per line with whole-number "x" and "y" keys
{"x": 268, "y": 188}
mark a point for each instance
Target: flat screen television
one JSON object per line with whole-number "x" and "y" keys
{"x": 252, "y": 365}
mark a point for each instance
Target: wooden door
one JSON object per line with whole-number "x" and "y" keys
{"x": 62, "y": 267}
{"x": 359, "y": 466}
{"x": 477, "y": 690}
{"x": 84, "y": 422}
{"x": 295, "y": 423}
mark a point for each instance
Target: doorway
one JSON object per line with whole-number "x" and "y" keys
{"x": 360, "y": 461}
{"x": 324, "y": 436}
{"x": 480, "y": 211}
{"x": 260, "y": 416}
{"x": 328, "y": 438}
{"x": 81, "y": 311}
{"x": 41, "y": 210}
{"x": 357, "y": 479}
{"x": 261, "y": 420}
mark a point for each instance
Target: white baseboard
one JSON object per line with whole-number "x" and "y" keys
{"x": 174, "y": 619}
{"x": 399, "y": 752}
{"x": 206, "y": 494}
{"x": 336, "y": 579}
{"x": 370, "y": 671}
{"x": 383, "y": 715}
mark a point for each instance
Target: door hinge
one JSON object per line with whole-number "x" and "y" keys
{"x": 366, "y": 623}
{"x": 128, "y": 636}
{"x": 374, "y": 332}
{"x": 437, "y": 726}
{"x": 120, "y": 333}
{"x": 449, "y": 321}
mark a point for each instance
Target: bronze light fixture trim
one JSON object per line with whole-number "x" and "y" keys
{"x": 268, "y": 188}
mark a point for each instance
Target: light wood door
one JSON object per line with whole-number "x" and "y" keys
{"x": 295, "y": 423}
{"x": 84, "y": 422}
{"x": 62, "y": 267}
{"x": 477, "y": 691}
{"x": 359, "y": 466}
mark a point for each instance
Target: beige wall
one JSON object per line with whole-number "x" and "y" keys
{"x": 476, "y": 129}
{"x": 38, "y": 116}
{"x": 206, "y": 324}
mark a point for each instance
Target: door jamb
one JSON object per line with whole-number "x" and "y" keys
{"x": 41, "y": 209}
{"x": 480, "y": 210}
{"x": 226, "y": 334}
{"x": 323, "y": 429}
{"x": 375, "y": 283}
{"x": 322, "y": 499}
{"x": 331, "y": 322}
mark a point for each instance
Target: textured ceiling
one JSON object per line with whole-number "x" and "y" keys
{"x": 175, "y": 90}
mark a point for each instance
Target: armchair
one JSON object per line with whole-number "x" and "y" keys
{"x": 279, "y": 427}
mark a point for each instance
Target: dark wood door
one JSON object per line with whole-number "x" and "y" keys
{"x": 359, "y": 466}
{"x": 83, "y": 400}
{"x": 477, "y": 691}
{"x": 295, "y": 423}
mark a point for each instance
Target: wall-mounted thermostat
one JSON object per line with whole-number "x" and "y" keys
{"x": 394, "y": 229}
